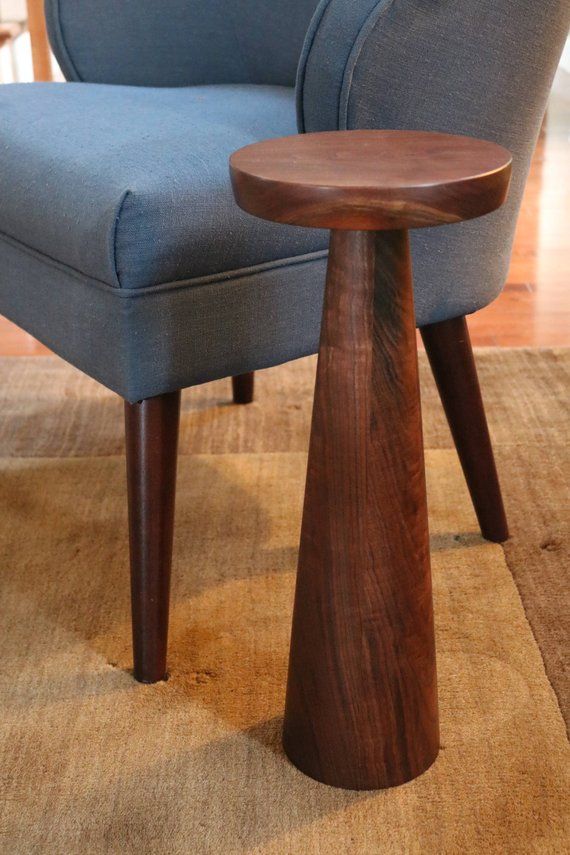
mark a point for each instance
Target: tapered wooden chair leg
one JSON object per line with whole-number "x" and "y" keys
{"x": 361, "y": 710}
{"x": 152, "y": 444}
{"x": 451, "y": 358}
{"x": 243, "y": 388}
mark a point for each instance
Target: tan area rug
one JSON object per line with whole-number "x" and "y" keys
{"x": 92, "y": 762}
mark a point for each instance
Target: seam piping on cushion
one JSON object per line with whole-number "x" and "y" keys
{"x": 44, "y": 258}
{"x": 231, "y": 275}
{"x": 113, "y": 248}
{"x": 179, "y": 284}
{"x": 365, "y": 32}
{"x": 55, "y": 30}
{"x": 304, "y": 61}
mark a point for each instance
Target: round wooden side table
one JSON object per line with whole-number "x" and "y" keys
{"x": 361, "y": 709}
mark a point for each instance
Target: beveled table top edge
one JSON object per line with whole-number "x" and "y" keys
{"x": 246, "y": 160}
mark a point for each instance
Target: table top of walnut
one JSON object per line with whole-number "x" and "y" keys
{"x": 371, "y": 180}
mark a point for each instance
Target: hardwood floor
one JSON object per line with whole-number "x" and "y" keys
{"x": 534, "y": 309}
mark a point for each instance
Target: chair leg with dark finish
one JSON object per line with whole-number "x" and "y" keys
{"x": 451, "y": 358}
{"x": 152, "y": 445}
{"x": 243, "y": 388}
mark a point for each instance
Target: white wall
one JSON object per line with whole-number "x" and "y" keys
{"x": 13, "y": 10}
{"x": 16, "y": 61}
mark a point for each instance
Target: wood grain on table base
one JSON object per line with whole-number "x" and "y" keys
{"x": 361, "y": 710}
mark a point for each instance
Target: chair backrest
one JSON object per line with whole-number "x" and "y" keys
{"x": 179, "y": 42}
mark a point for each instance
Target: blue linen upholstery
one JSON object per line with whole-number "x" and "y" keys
{"x": 120, "y": 245}
{"x": 480, "y": 68}
{"x": 135, "y": 180}
{"x": 146, "y": 341}
{"x": 179, "y": 42}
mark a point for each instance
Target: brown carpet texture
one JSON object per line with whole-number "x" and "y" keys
{"x": 91, "y": 762}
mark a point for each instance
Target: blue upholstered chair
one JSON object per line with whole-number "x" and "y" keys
{"x": 121, "y": 247}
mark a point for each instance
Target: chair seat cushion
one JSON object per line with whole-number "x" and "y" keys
{"x": 130, "y": 185}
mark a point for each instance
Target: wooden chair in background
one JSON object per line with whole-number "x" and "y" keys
{"x": 41, "y": 53}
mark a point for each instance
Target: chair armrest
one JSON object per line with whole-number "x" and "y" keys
{"x": 331, "y": 41}
{"x": 482, "y": 69}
